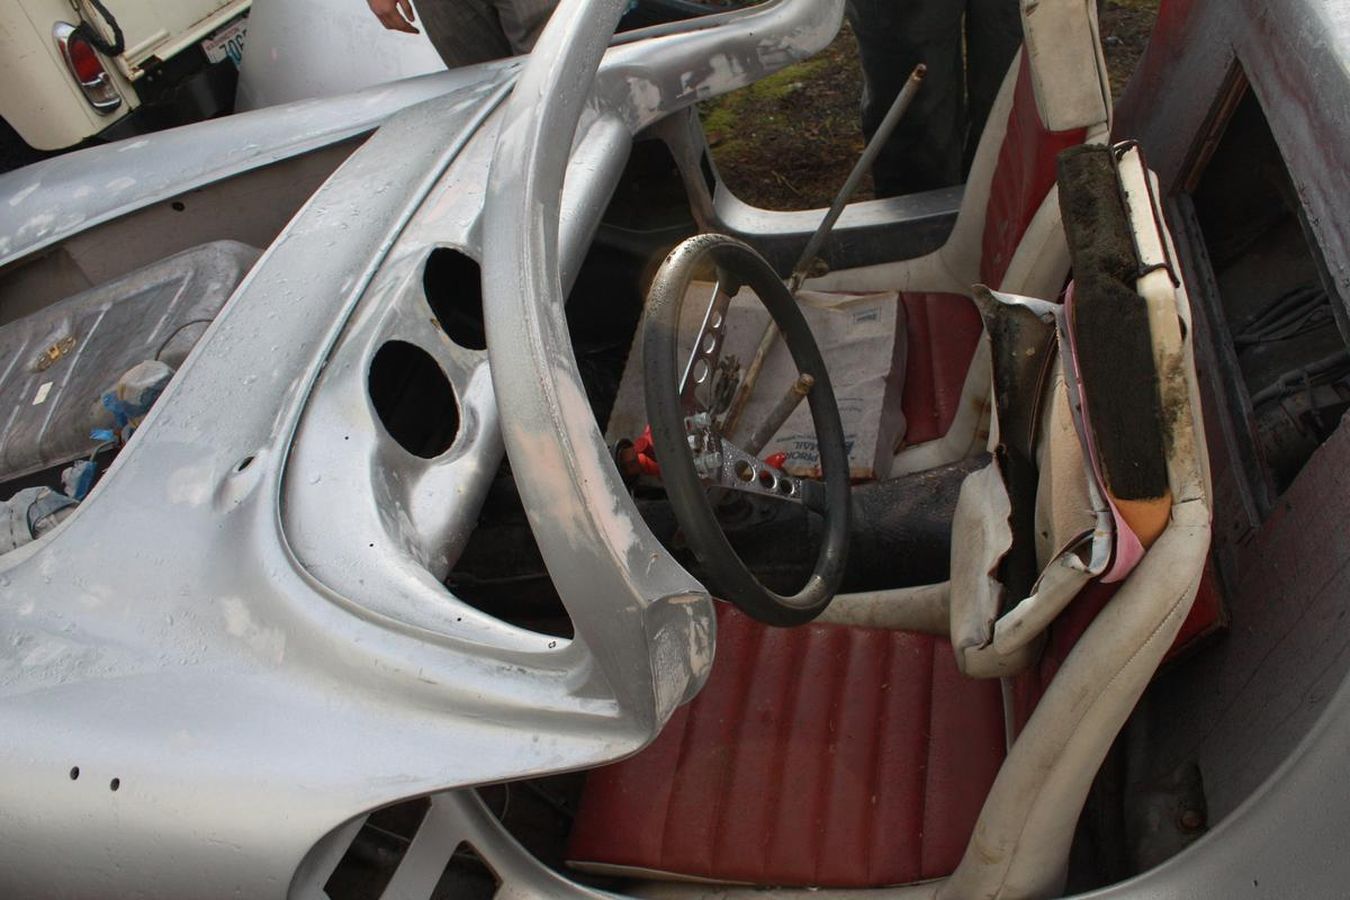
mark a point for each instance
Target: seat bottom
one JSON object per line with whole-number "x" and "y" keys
{"x": 822, "y": 755}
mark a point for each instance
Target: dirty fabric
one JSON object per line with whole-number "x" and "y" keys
{"x": 1111, "y": 329}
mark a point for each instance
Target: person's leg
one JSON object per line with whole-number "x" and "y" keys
{"x": 993, "y": 34}
{"x": 893, "y": 37}
{"x": 463, "y": 32}
{"x": 522, "y": 20}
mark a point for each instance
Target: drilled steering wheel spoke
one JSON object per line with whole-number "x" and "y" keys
{"x": 699, "y": 466}
{"x": 701, "y": 370}
{"x": 813, "y": 495}
{"x": 722, "y": 464}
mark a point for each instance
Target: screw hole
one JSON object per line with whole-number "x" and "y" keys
{"x": 243, "y": 464}
{"x": 177, "y": 206}
{"x": 114, "y": 784}
{"x": 74, "y": 772}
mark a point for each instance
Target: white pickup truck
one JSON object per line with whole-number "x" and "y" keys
{"x": 71, "y": 70}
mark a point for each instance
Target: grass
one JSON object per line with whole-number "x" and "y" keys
{"x": 789, "y": 140}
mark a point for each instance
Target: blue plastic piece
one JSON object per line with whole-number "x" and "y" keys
{"x": 81, "y": 478}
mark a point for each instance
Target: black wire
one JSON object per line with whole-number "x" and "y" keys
{"x": 176, "y": 332}
{"x": 91, "y": 34}
{"x": 1291, "y": 315}
{"x": 1290, "y": 382}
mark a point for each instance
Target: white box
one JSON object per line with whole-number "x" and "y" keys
{"x": 862, "y": 339}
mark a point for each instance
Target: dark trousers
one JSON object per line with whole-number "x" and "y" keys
{"x": 935, "y": 141}
{"x": 465, "y": 32}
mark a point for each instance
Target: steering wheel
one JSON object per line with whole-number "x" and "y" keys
{"x": 693, "y": 453}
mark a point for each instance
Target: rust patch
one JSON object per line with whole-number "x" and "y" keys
{"x": 54, "y": 354}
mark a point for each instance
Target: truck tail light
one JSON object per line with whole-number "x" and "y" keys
{"x": 87, "y": 68}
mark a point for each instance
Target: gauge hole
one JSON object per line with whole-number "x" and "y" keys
{"x": 453, "y": 283}
{"x": 413, "y": 399}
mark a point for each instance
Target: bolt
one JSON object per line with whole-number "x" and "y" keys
{"x": 1192, "y": 820}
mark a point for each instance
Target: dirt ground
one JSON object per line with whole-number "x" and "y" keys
{"x": 789, "y": 141}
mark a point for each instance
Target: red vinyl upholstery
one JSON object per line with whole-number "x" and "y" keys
{"x": 821, "y": 755}
{"x": 1205, "y": 618}
{"x": 1023, "y": 176}
{"x": 1208, "y": 615}
{"x": 826, "y": 755}
{"x": 944, "y": 329}
{"x": 942, "y": 333}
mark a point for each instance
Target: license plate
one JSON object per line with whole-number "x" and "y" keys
{"x": 227, "y": 43}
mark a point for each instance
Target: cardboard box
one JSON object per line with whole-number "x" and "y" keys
{"x": 862, "y": 339}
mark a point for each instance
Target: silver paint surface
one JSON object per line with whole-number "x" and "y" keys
{"x": 213, "y": 628}
{"x": 56, "y": 363}
{"x": 49, "y": 201}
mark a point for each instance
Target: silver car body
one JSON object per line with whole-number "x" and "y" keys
{"x": 242, "y": 650}
{"x": 263, "y": 607}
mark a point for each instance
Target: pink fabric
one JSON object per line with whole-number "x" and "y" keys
{"x": 1128, "y": 548}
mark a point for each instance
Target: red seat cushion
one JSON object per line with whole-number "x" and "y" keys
{"x": 821, "y": 755}
{"x": 1205, "y": 617}
{"x": 942, "y": 331}
{"x": 945, "y": 328}
{"x": 826, "y": 755}
{"x": 1023, "y": 176}
{"x": 1208, "y": 615}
